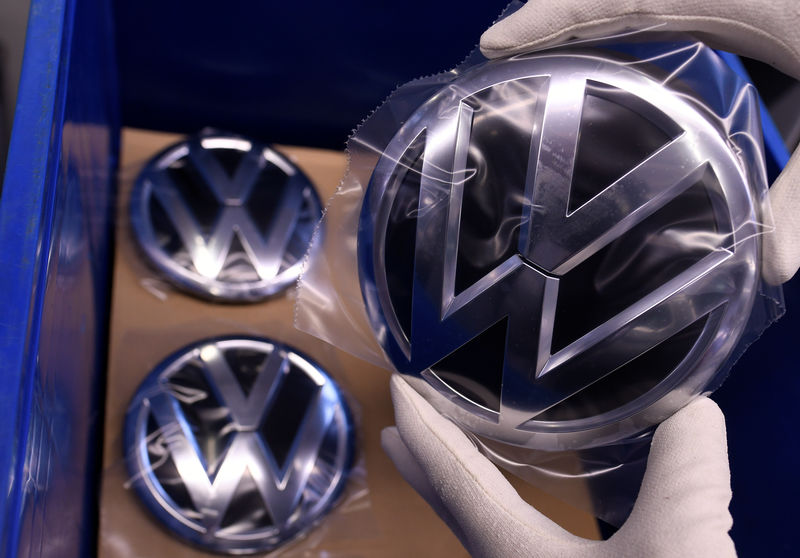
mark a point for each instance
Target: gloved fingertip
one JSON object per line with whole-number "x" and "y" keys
{"x": 700, "y": 417}
{"x": 390, "y": 438}
{"x": 684, "y": 498}
{"x": 396, "y": 385}
{"x": 536, "y": 25}
{"x": 781, "y": 244}
{"x": 410, "y": 407}
{"x": 493, "y": 43}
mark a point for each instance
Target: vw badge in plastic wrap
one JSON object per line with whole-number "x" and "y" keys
{"x": 239, "y": 444}
{"x": 558, "y": 249}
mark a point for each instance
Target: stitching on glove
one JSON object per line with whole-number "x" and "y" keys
{"x": 578, "y": 27}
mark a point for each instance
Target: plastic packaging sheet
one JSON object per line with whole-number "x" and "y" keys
{"x": 558, "y": 249}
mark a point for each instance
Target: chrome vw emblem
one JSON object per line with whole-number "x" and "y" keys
{"x": 224, "y": 217}
{"x": 238, "y": 444}
{"x": 561, "y": 247}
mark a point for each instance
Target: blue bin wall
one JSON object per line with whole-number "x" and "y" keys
{"x": 55, "y": 240}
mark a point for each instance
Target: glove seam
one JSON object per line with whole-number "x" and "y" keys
{"x": 667, "y": 17}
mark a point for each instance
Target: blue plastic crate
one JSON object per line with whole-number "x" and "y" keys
{"x": 55, "y": 241}
{"x": 234, "y": 67}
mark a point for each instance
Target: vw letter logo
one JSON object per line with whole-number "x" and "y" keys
{"x": 238, "y": 444}
{"x": 224, "y": 217}
{"x": 549, "y": 250}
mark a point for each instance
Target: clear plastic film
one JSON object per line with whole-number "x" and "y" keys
{"x": 558, "y": 249}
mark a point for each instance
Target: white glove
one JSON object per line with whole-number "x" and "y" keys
{"x": 767, "y": 30}
{"x": 681, "y": 511}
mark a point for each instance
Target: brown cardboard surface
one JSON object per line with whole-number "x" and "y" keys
{"x": 380, "y": 515}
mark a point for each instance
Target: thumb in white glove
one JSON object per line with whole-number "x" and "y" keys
{"x": 767, "y": 30}
{"x": 681, "y": 511}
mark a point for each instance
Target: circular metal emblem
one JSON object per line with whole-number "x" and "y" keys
{"x": 550, "y": 250}
{"x": 224, "y": 217}
{"x": 238, "y": 444}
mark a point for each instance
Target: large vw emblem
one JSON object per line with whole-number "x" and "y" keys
{"x": 224, "y": 217}
{"x": 238, "y": 444}
{"x": 551, "y": 250}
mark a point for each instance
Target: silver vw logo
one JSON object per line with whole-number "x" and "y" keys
{"x": 238, "y": 444}
{"x": 224, "y": 217}
{"x": 561, "y": 247}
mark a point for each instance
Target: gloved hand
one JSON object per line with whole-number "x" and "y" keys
{"x": 681, "y": 511}
{"x": 682, "y": 508}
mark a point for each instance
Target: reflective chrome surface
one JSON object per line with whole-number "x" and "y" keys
{"x": 238, "y": 444}
{"x": 224, "y": 217}
{"x": 551, "y": 250}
